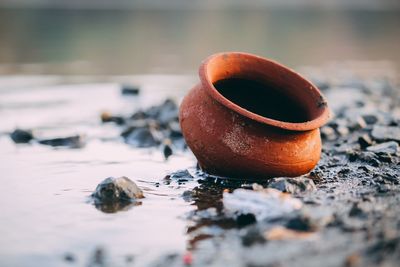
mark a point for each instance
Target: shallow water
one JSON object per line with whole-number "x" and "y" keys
{"x": 45, "y": 209}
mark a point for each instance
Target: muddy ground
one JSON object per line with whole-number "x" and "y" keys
{"x": 350, "y": 201}
{"x": 343, "y": 213}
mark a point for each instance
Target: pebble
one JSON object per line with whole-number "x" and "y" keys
{"x": 364, "y": 141}
{"x": 266, "y": 204}
{"x": 370, "y": 119}
{"x": 167, "y": 149}
{"x": 120, "y": 189}
{"x": 21, "y": 136}
{"x": 386, "y": 133}
{"x": 292, "y": 185}
{"x": 127, "y": 89}
{"x": 388, "y": 147}
{"x": 107, "y": 117}
{"x": 75, "y": 141}
{"x": 141, "y": 137}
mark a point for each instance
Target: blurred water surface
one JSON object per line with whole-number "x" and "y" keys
{"x": 58, "y": 41}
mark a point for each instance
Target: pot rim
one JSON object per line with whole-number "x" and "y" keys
{"x": 293, "y": 126}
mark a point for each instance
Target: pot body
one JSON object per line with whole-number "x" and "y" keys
{"x": 231, "y": 140}
{"x": 229, "y": 144}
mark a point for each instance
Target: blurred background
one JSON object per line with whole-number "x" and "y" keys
{"x": 102, "y": 37}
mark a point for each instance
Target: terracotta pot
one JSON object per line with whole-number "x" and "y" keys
{"x": 262, "y": 121}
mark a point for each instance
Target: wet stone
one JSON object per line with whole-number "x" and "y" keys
{"x": 21, "y": 136}
{"x": 181, "y": 174}
{"x": 107, "y": 117}
{"x": 127, "y": 89}
{"x": 75, "y": 141}
{"x": 69, "y": 257}
{"x": 120, "y": 189}
{"x": 141, "y": 137}
{"x": 388, "y": 147}
{"x": 167, "y": 150}
{"x": 292, "y": 185}
{"x": 386, "y": 133}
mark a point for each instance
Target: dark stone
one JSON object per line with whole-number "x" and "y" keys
{"x": 141, "y": 137}
{"x": 386, "y": 133}
{"x": 167, "y": 151}
{"x": 69, "y": 257}
{"x": 245, "y": 219}
{"x": 292, "y": 185}
{"x": 357, "y": 211}
{"x": 301, "y": 223}
{"x": 252, "y": 236}
{"x": 127, "y": 89}
{"x": 107, "y": 117}
{"x": 364, "y": 141}
{"x": 115, "y": 190}
{"x": 370, "y": 119}
{"x": 71, "y": 142}
{"x": 187, "y": 196}
{"x": 384, "y": 188}
{"x": 181, "y": 174}
{"x": 21, "y": 136}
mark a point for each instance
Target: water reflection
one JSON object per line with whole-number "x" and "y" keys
{"x": 175, "y": 41}
{"x": 113, "y": 207}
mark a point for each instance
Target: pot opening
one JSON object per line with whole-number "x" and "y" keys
{"x": 263, "y": 99}
{"x": 263, "y": 90}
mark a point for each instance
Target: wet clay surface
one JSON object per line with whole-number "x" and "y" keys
{"x": 343, "y": 213}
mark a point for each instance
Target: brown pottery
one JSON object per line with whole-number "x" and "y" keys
{"x": 250, "y": 117}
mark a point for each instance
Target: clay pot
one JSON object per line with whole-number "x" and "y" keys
{"x": 262, "y": 121}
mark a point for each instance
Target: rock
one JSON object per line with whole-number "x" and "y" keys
{"x": 357, "y": 124}
{"x": 245, "y": 219}
{"x": 328, "y": 133}
{"x": 292, "y": 185}
{"x": 386, "y": 133}
{"x": 301, "y": 223}
{"x": 181, "y": 174}
{"x": 253, "y": 236}
{"x": 127, "y": 89}
{"x": 168, "y": 111}
{"x": 69, "y": 257}
{"x": 357, "y": 211}
{"x": 342, "y": 130}
{"x": 388, "y": 147}
{"x": 115, "y": 190}
{"x": 107, "y": 117}
{"x": 282, "y": 233}
{"x": 141, "y": 137}
{"x": 384, "y": 188}
{"x": 364, "y": 141}
{"x": 21, "y": 136}
{"x": 370, "y": 119}
{"x": 75, "y": 141}
{"x": 266, "y": 204}
{"x": 167, "y": 149}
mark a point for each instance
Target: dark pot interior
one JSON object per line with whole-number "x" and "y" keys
{"x": 264, "y": 90}
{"x": 263, "y": 99}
